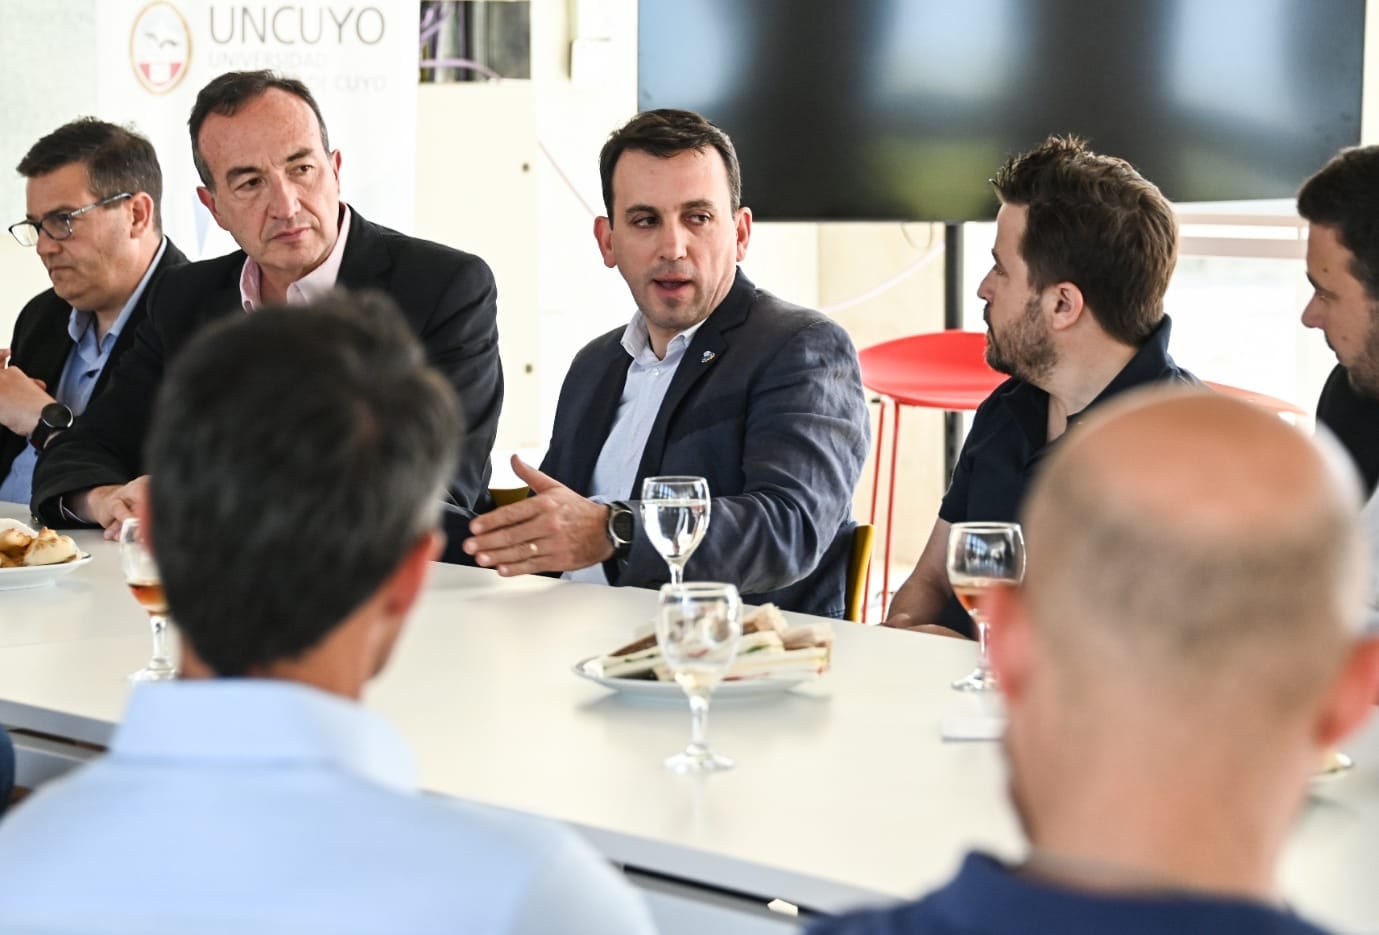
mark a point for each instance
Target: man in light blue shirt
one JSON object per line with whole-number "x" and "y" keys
{"x": 295, "y": 521}
{"x": 92, "y": 195}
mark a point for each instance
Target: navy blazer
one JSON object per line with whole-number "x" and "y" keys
{"x": 42, "y": 344}
{"x": 767, "y": 404}
{"x": 448, "y": 298}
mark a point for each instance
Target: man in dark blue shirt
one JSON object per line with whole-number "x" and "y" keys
{"x": 1084, "y": 250}
{"x": 1340, "y": 204}
{"x": 1180, "y": 658}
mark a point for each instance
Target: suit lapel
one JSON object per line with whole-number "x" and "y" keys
{"x": 366, "y": 255}
{"x": 50, "y": 345}
{"x": 702, "y": 356}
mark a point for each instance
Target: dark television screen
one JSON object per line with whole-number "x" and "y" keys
{"x": 902, "y": 109}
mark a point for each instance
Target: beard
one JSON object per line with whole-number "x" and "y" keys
{"x": 1025, "y": 351}
{"x": 1363, "y": 373}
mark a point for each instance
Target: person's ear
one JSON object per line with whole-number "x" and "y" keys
{"x": 141, "y": 214}
{"x": 1352, "y": 696}
{"x": 603, "y": 233}
{"x": 1009, "y": 640}
{"x": 207, "y": 198}
{"x": 744, "y": 232}
{"x": 1068, "y": 305}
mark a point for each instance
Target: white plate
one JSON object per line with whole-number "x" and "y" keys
{"x": 670, "y": 691}
{"x": 38, "y": 575}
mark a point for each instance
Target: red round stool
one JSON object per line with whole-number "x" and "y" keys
{"x": 943, "y": 370}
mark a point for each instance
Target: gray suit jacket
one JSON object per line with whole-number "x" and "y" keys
{"x": 768, "y": 405}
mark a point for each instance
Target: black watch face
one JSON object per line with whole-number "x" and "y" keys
{"x": 623, "y": 527}
{"x": 56, "y": 416}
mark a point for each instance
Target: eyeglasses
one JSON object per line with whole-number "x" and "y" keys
{"x": 57, "y": 225}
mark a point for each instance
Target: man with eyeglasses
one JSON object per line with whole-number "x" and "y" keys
{"x": 93, "y": 197}
{"x": 270, "y": 177}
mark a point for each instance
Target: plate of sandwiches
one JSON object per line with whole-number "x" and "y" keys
{"x": 773, "y": 657}
{"x": 31, "y": 558}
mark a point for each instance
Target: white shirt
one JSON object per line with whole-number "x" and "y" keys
{"x": 648, "y": 378}
{"x": 256, "y": 806}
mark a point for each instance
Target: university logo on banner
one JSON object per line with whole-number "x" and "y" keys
{"x": 160, "y": 47}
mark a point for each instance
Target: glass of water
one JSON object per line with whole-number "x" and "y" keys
{"x": 675, "y": 515}
{"x": 698, "y": 628}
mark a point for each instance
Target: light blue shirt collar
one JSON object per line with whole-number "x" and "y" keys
{"x": 636, "y": 340}
{"x": 262, "y": 721}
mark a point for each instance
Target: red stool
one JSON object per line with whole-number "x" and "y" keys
{"x": 944, "y": 370}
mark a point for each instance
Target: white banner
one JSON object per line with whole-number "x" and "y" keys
{"x": 359, "y": 61}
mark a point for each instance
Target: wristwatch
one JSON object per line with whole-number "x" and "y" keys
{"x": 621, "y": 527}
{"x": 54, "y": 417}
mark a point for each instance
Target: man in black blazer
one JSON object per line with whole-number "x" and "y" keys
{"x": 713, "y": 377}
{"x": 271, "y": 180}
{"x": 93, "y": 196}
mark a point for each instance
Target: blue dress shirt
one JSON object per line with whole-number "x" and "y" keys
{"x": 255, "y": 806}
{"x": 85, "y": 362}
{"x": 648, "y": 378}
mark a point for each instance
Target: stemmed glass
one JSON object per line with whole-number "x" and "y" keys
{"x": 982, "y": 556}
{"x": 141, "y": 574}
{"x": 698, "y": 628}
{"x": 675, "y": 514}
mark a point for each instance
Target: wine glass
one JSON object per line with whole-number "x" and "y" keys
{"x": 141, "y": 574}
{"x": 698, "y": 628}
{"x": 675, "y": 514}
{"x": 982, "y": 556}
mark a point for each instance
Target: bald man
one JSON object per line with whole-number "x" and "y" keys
{"x": 1157, "y": 794}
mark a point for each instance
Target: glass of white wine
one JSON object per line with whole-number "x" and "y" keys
{"x": 141, "y": 574}
{"x": 698, "y": 628}
{"x": 675, "y": 515}
{"x": 982, "y": 556}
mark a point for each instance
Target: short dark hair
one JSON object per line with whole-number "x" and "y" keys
{"x": 295, "y": 454}
{"x": 116, "y": 159}
{"x": 1096, "y": 222}
{"x": 226, "y": 94}
{"x": 1344, "y": 194}
{"x": 665, "y": 133}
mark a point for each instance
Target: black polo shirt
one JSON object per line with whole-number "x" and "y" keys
{"x": 1354, "y": 418}
{"x": 1010, "y": 437}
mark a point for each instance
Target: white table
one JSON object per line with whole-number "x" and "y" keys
{"x": 843, "y": 792}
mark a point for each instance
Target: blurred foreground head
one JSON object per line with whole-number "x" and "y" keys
{"x": 298, "y": 457}
{"x": 1189, "y": 624}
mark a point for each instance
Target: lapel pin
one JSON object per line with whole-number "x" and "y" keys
{"x": 708, "y": 356}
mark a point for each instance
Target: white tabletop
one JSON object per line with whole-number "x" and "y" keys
{"x": 843, "y": 790}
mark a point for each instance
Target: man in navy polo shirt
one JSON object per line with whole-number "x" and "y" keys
{"x": 1182, "y": 655}
{"x": 1084, "y": 250}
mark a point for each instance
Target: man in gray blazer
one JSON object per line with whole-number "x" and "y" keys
{"x": 712, "y": 377}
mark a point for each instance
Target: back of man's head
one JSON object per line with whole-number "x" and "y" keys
{"x": 116, "y": 159}
{"x": 1344, "y": 195}
{"x": 1095, "y": 222}
{"x": 1193, "y": 553}
{"x": 297, "y": 454}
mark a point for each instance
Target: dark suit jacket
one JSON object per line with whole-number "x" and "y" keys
{"x": 767, "y": 404}
{"x": 448, "y": 297}
{"x": 41, "y": 344}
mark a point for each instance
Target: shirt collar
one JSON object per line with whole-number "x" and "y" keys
{"x": 262, "y": 721}
{"x": 78, "y": 323}
{"x": 636, "y": 340}
{"x": 311, "y": 286}
{"x": 1030, "y": 404}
